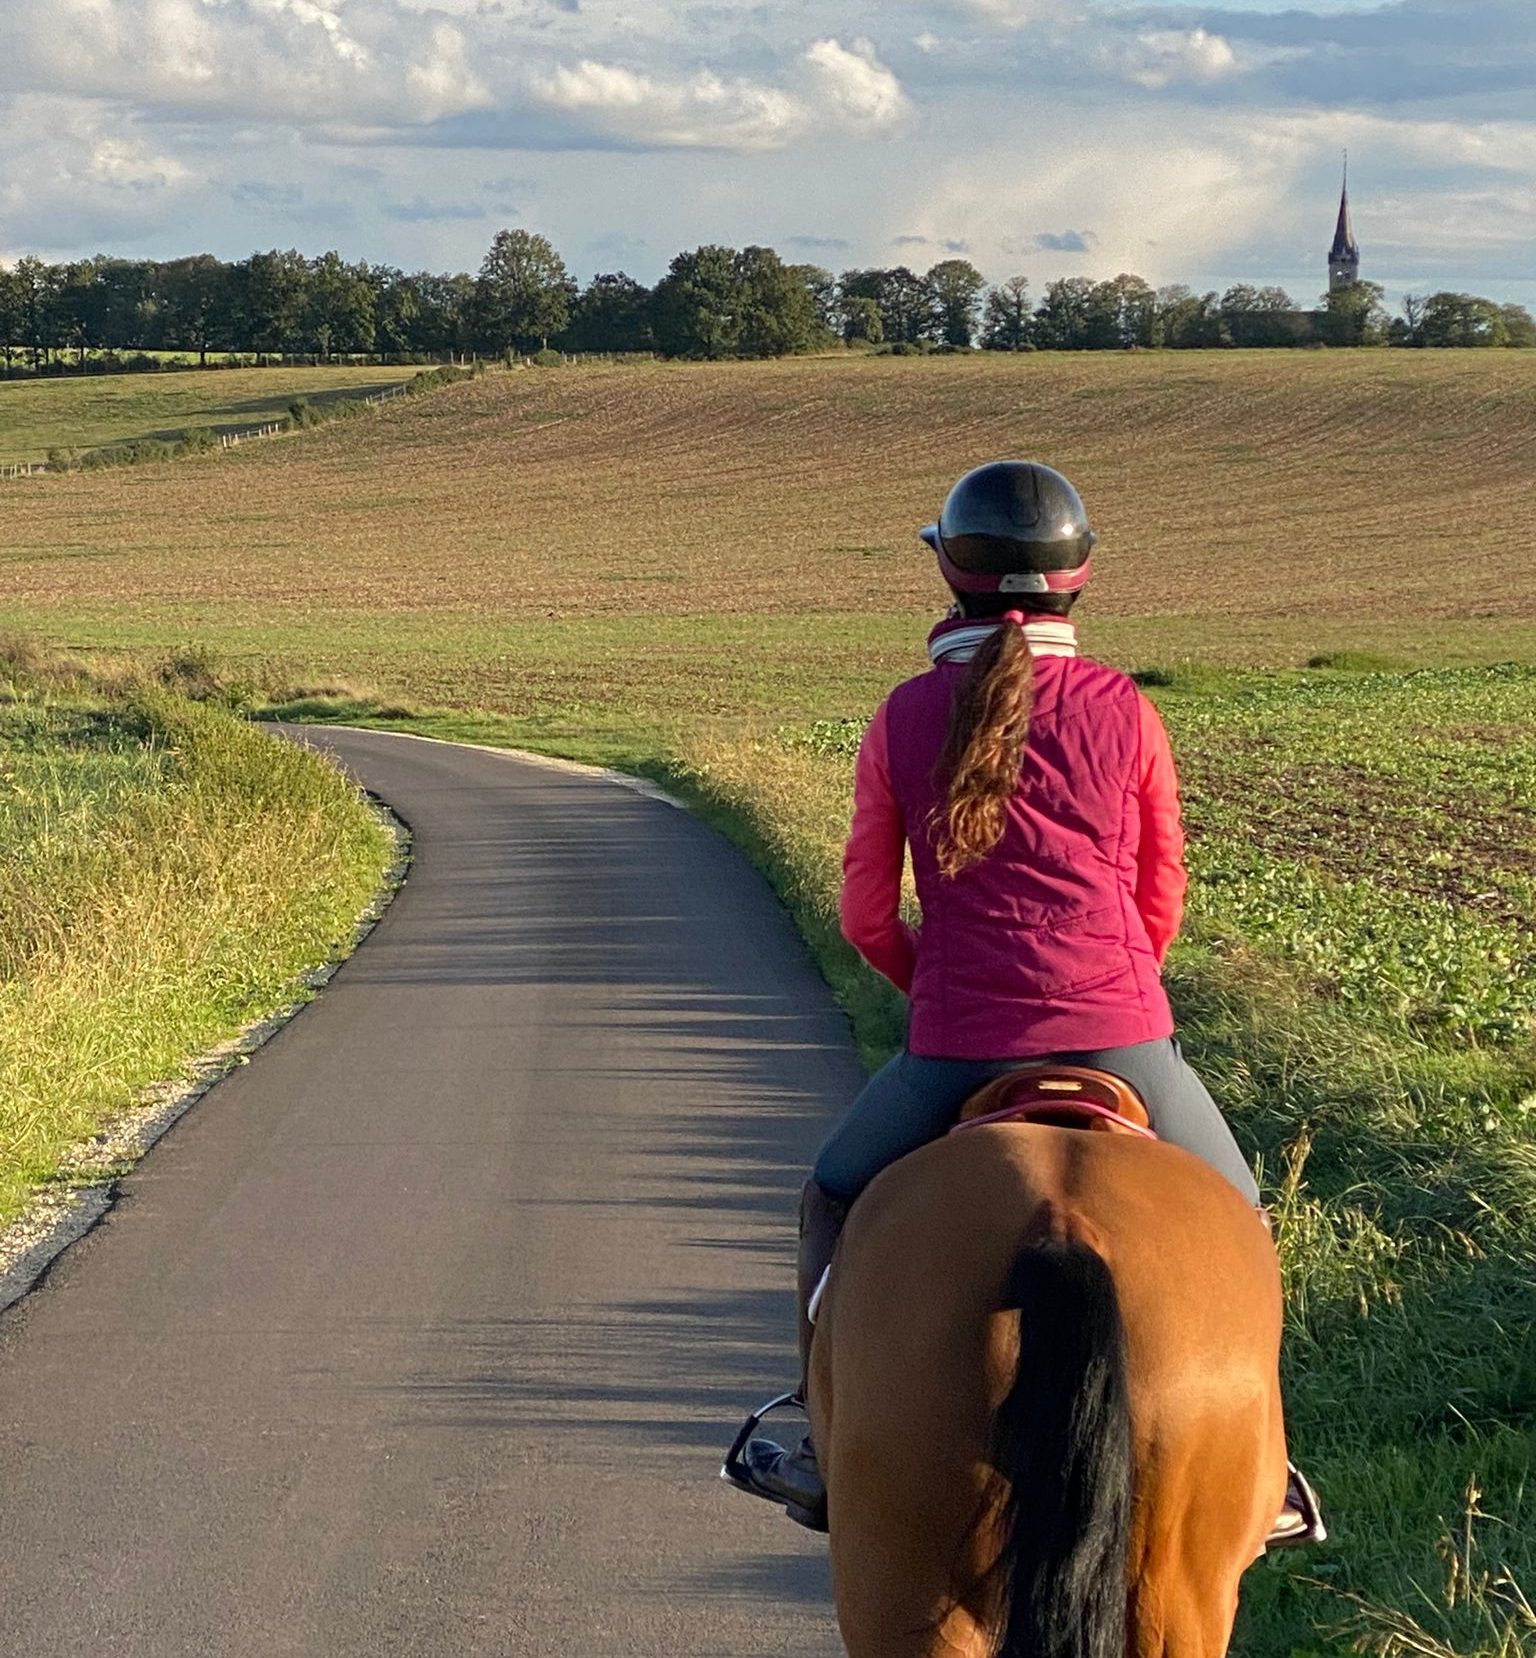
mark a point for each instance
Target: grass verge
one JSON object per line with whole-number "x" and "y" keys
{"x": 168, "y": 875}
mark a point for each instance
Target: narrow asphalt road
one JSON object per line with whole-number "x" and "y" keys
{"x": 422, "y": 1333}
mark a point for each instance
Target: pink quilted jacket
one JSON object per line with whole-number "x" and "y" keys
{"x": 1054, "y": 942}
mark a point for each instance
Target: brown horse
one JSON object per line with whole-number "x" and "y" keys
{"x": 1045, "y": 1396}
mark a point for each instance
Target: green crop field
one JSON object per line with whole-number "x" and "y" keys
{"x": 93, "y": 410}
{"x": 1321, "y": 565}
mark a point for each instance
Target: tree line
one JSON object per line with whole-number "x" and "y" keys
{"x": 714, "y": 302}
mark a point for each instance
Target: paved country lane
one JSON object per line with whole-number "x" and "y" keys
{"x": 422, "y": 1333}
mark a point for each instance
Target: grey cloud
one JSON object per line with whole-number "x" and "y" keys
{"x": 615, "y": 248}
{"x": 1408, "y": 52}
{"x": 67, "y": 230}
{"x": 257, "y": 193}
{"x": 828, "y": 244}
{"x": 419, "y": 210}
{"x": 1476, "y": 56}
{"x": 1063, "y": 241}
{"x": 947, "y": 244}
{"x": 513, "y": 129}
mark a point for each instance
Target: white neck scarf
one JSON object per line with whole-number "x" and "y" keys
{"x": 1045, "y": 636}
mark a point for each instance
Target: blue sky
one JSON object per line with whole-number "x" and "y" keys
{"x": 1185, "y": 142}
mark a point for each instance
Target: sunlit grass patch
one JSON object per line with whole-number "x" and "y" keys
{"x": 168, "y": 873}
{"x": 90, "y": 411}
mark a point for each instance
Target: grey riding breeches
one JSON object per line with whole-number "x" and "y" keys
{"x": 912, "y": 1100}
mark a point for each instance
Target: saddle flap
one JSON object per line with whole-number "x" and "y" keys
{"x": 1064, "y": 1096}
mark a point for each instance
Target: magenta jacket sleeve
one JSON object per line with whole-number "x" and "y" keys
{"x": 872, "y": 865}
{"x": 1160, "y": 877}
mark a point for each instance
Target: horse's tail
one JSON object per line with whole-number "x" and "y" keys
{"x": 1062, "y": 1439}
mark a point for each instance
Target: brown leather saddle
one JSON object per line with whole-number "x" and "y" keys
{"x": 1061, "y": 1096}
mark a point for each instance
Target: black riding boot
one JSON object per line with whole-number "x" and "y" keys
{"x": 792, "y": 1476}
{"x": 1301, "y": 1519}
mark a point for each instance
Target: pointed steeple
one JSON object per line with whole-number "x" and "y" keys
{"x": 1344, "y": 256}
{"x": 1344, "y": 244}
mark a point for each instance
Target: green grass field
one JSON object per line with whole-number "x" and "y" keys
{"x": 711, "y": 574}
{"x": 95, "y": 410}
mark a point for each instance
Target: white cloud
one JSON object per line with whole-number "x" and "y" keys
{"x": 78, "y": 181}
{"x": 306, "y": 12}
{"x": 855, "y": 83}
{"x": 1182, "y": 193}
{"x": 1497, "y": 146}
{"x": 179, "y": 37}
{"x": 705, "y": 110}
{"x": 120, "y": 162}
{"x": 440, "y": 81}
{"x": 600, "y": 86}
{"x": 1142, "y": 194}
{"x": 1447, "y": 223}
{"x": 1179, "y": 140}
{"x": 1018, "y": 14}
{"x": 1160, "y": 57}
{"x": 301, "y": 62}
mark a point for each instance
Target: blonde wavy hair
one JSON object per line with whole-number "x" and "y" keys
{"x": 984, "y": 748}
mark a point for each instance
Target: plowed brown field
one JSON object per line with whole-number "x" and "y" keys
{"x": 473, "y": 546}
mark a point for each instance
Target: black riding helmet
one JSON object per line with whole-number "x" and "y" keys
{"x": 1013, "y": 527}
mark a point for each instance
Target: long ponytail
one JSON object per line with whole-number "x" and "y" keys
{"x": 984, "y": 749}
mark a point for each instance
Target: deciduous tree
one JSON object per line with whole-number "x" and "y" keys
{"x": 1354, "y": 315}
{"x": 193, "y": 297}
{"x": 1061, "y": 318}
{"x": 775, "y": 313}
{"x": 612, "y": 313}
{"x": 338, "y": 310}
{"x": 956, "y": 286}
{"x": 1185, "y": 321}
{"x": 861, "y": 319}
{"x": 270, "y": 290}
{"x": 1120, "y": 314}
{"x": 524, "y": 292}
{"x": 1262, "y": 317}
{"x": 821, "y": 285}
{"x": 1519, "y": 327}
{"x": 397, "y": 307}
{"x": 1462, "y": 320}
{"x": 1006, "y": 320}
{"x": 1413, "y": 319}
{"x": 694, "y": 308}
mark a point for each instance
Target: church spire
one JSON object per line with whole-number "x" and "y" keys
{"x": 1344, "y": 256}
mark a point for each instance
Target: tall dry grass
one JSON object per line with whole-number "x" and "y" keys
{"x": 168, "y": 874}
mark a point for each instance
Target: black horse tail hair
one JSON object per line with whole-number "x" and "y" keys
{"x": 1062, "y": 1441}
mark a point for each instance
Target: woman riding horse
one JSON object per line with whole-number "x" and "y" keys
{"x": 1037, "y": 793}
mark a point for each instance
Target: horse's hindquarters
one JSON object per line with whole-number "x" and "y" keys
{"x": 915, "y": 1352}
